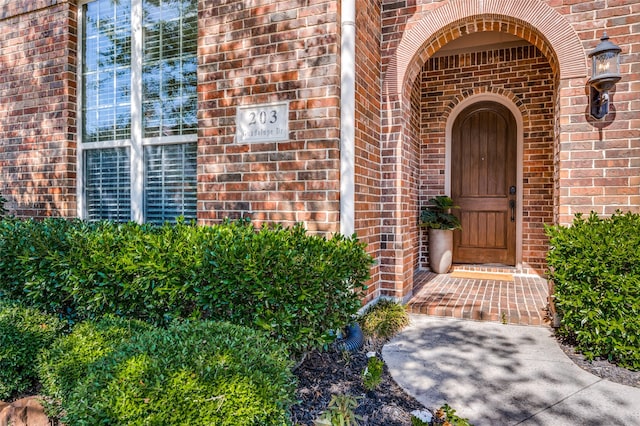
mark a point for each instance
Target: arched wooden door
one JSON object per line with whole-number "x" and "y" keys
{"x": 483, "y": 184}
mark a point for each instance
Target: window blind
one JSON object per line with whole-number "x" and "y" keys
{"x": 170, "y": 182}
{"x": 106, "y": 72}
{"x": 107, "y": 186}
{"x": 138, "y": 146}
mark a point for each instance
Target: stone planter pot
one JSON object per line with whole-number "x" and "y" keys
{"x": 440, "y": 250}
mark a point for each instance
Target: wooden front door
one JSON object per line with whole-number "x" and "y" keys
{"x": 483, "y": 184}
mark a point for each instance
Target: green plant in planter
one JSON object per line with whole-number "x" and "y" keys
{"x": 441, "y": 223}
{"x": 438, "y": 214}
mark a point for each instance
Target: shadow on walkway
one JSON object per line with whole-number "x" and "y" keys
{"x": 497, "y": 374}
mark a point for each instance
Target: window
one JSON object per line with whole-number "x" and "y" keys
{"x": 137, "y": 150}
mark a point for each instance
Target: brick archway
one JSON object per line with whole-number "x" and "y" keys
{"x": 489, "y": 92}
{"x": 531, "y": 20}
{"x": 424, "y": 34}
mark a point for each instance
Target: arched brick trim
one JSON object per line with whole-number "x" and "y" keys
{"x": 531, "y": 20}
{"x": 483, "y": 90}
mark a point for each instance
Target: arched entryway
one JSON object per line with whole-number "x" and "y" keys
{"x": 422, "y": 89}
{"x": 521, "y": 80}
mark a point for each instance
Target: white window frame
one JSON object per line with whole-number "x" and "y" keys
{"x": 136, "y": 143}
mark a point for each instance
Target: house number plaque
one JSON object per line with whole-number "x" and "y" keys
{"x": 262, "y": 123}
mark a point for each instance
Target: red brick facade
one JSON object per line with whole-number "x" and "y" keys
{"x": 367, "y": 136}
{"x": 38, "y": 107}
{"x": 572, "y": 163}
{"x": 274, "y": 51}
{"x": 406, "y": 91}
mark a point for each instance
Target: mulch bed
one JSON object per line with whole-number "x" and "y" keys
{"x": 601, "y": 367}
{"x": 323, "y": 374}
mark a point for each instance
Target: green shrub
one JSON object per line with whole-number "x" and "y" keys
{"x": 67, "y": 362}
{"x": 384, "y": 319}
{"x": 83, "y": 270}
{"x": 24, "y": 332}
{"x": 193, "y": 373}
{"x": 595, "y": 268}
{"x": 295, "y": 286}
{"x": 34, "y": 266}
{"x": 137, "y": 271}
{"x": 11, "y": 269}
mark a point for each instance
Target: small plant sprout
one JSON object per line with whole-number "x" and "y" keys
{"x": 446, "y": 415}
{"x": 340, "y": 412}
{"x": 372, "y": 374}
{"x": 383, "y": 320}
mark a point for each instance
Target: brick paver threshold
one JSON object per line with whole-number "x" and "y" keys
{"x": 507, "y": 298}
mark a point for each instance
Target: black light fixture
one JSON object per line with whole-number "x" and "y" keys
{"x": 605, "y": 60}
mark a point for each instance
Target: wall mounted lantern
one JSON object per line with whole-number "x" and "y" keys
{"x": 605, "y": 60}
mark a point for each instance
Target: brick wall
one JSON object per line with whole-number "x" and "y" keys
{"x": 599, "y": 161}
{"x": 367, "y": 134}
{"x": 260, "y": 52}
{"x": 413, "y": 163}
{"x": 249, "y": 54}
{"x": 37, "y": 107}
{"x": 400, "y": 204}
{"x": 522, "y": 74}
{"x": 585, "y": 165}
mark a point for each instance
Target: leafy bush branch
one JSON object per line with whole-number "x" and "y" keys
{"x": 595, "y": 267}
{"x": 295, "y": 286}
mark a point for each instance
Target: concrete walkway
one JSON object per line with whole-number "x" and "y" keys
{"x": 496, "y": 374}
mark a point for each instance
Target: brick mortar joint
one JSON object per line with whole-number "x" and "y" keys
{"x": 24, "y": 11}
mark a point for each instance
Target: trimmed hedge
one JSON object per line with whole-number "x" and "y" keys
{"x": 294, "y": 285}
{"x": 595, "y": 268}
{"x": 297, "y": 287}
{"x": 138, "y": 271}
{"x": 67, "y": 361}
{"x": 24, "y": 333}
{"x": 34, "y": 268}
{"x": 193, "y": 373}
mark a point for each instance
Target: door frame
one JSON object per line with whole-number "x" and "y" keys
{"x": 517, "y": 114}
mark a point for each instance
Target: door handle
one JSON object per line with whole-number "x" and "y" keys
{"x": 512, "y": 205}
